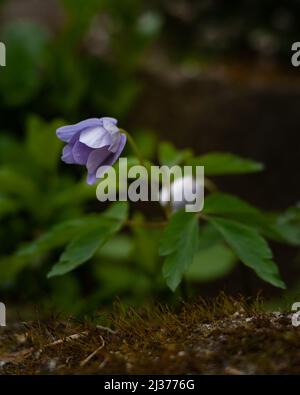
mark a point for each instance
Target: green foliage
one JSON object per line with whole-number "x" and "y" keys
{"x": 85, "y": 245}
{"x": 211, "y": 263}
{"x": 40, "y": 135}
{"x": 26, "y": 56}
{"x": 250, "y": 248}
{"x": 179, "y": 244}
{"x": 221, "y": 163}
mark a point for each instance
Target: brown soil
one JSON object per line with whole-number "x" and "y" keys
{"x": 224, "y": 336}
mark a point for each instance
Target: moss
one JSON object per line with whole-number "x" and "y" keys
{"x": 224, "y": 336}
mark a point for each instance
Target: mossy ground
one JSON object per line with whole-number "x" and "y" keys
{"x": 224, "y": 336}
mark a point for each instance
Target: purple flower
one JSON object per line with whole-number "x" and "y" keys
{"x": 93, "y": 143}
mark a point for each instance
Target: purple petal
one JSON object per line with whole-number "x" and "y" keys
{"x": 115, "y": 143}
{"x": 67, "y": 155}
{"x": 81, "y": 153}
{"x": 103, "y": 157}
{"x": 91, "y": 179}
{"x": 96, "y": 158}
{"x": 110, "y": 125}
{"x": 95, "y": 137}
{"x": 105, "y": 120}
{"x": 65, "y": 133}
{"x": 114, "y": 156}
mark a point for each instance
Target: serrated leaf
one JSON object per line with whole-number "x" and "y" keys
{"x": 232, "y": 207}
{"x": 219, "y": 163}
{"x": 224, "y": 203}
{"x": 179, "y": 244}
{"x": 250, "y": 248}
{"x": 59, "y": 235}
{"x": 287, "y": 225}
{"x": 85, "y": 245}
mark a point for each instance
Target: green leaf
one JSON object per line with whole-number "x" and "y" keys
{"x": 218, "y": 163}
{"x": 211, "y": 263}
{"x": 146, "y": 140}
{"x": 232, "y": 207}
{"x": 146, "y": 244}
{"x": 85, "y": 245}
{"x": 287, "y": 225}
{"x": 250, "y": 248}
{"x": 222, "y": 203}
{"x": 179, "y": 244}
{"x": 208, "y": 237}
{"x": 118, "y": 248}
{"x": 80, "y": 14}
{"x": 59, "y": 235}
{"x": 170, "y": 156}
{"x": 16, "y": 184}
{"x": 115, "y": 279}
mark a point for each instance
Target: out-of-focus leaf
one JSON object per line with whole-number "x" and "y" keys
{"x": 65, "y": 296}
{"x": 146, "y": 244}
{"x": 85, "y": 245}
{"x": 146, "y": 141}
{"x": 10, "y": 149}
{"x": 80, "y": 14}
{"x": 115, "y": 279}
{"x": 179, "y": 244}
{"x": 211, "y": 263}
{"x": 42, "y": 143}
{"x": 10, "y": 266}
{"x": 21, "y": 78}
{"x": 170, "y": 156}
{"x": 219, "y": 163}
{"x": 250, "y": 248}
{"x": 16, "y": 184}
{"x": 7, "y": 206}
{"x": 59, "y": 235}
{"x": 69, "y": 193}
{"x": 118, "y": 248}
{"x": 287, "y": 225}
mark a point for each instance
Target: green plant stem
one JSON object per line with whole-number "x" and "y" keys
{"x": 210, "y": 185}
{"x": 134, "y": 147}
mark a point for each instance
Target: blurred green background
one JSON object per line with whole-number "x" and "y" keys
{"x": 209, "y": 75}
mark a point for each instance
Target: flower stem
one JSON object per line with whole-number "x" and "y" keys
{"x": 134, "y": 147}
